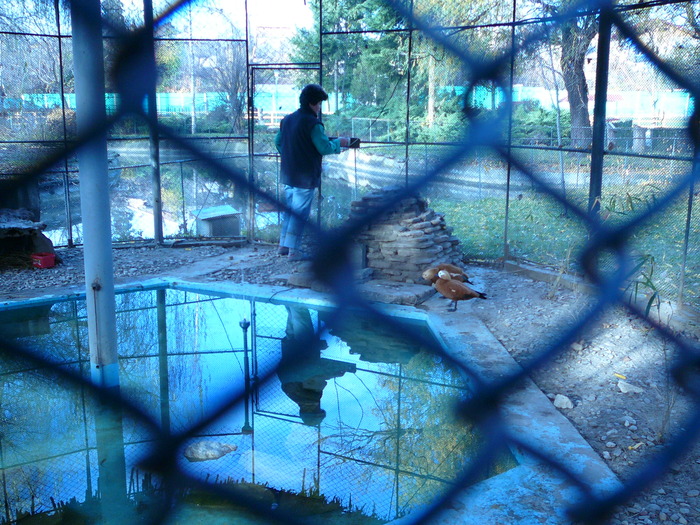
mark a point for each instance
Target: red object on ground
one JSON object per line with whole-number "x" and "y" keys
{"x": 43, "y": 260}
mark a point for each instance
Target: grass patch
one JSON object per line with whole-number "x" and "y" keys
{"x": 542, "y": 231}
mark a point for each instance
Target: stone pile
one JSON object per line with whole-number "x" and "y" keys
{"x": 405, "y": 240}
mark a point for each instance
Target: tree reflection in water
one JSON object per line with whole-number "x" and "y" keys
{"x": 412, "y": 436}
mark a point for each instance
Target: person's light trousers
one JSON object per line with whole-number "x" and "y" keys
{"x": 299, "y": 200}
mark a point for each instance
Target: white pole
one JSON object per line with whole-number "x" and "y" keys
{"x": 88, "y": 64}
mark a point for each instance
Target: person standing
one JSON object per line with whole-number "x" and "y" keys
{"x": 302, "y": 142}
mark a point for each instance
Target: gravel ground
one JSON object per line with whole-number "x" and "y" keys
{"x": 618, "y": 352}
{"x": 615, "y": 375}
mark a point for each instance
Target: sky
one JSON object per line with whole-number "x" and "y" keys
{"x": 280, "y": 13}
{"x": 262, "y": 13}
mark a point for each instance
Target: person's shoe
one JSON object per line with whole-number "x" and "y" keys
{"x": 295, "y": 255}
{"x": 283, "y": 250}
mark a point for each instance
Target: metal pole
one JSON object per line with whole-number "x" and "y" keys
{"x": 397, "y": 478}
{"x": 601, "y": 94}
{"x": 77, "y": 339}
{"x": 184, "y": 199}
{"x": 88, "y": 65}
{"x": 506, "y": 245}
{"x": 319, "y": 201}
{"x": 193, "y": 83}
{"x": 66, "y": 181}
{"x": 153, "y": 133}
{"x": 163, "y": 371}
{"x": 255, "y": 400}
{"x": 250, "y": 80}
{"x": 2, "y": 468}
{"x": 408, "y": 91}
{"x": 247, "y": 428}
{"x": 94, "y": 192}
{"x": 253, "y": 345}
{"x": 688, "y": 219}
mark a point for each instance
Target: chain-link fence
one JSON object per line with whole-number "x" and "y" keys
{"x": 562, "y": 133}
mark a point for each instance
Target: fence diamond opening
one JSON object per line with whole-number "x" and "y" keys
{"x": 560, "y": 133}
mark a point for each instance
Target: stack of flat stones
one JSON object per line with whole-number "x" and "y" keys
{"x": 406, "y": 239}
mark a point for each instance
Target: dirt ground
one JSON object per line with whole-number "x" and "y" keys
{"x": 615, "y": 375}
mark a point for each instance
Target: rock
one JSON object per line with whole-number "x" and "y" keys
{"x": 628, "y": 388}
{"x": 207, "y": 450}
{"x": 561, "y": 401}
{"x": 693, "y": 493}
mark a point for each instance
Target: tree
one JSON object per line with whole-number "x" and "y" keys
{"x": 575, "y": 33}
{"x": 27, "y": 56}
{"x": 675, "y": 31}
{"x": 221, "y": 68}
{"x": 365, "y": 70}
{"x": 369, "y": 62}
{"x": 168, "y": 59}
{"x": 440, "y": 77}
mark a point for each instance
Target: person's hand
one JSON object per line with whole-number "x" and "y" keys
{"x": 344, "y": 142}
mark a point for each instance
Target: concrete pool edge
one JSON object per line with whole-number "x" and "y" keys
{"x": 533, "y": 492}
{"x": 530, "y": 493}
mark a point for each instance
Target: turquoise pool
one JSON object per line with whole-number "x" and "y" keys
{"x": 330, "y": 419}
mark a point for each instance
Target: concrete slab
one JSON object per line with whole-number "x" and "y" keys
{"x": 376, "y": 290}
{"x": 395, "y": 293}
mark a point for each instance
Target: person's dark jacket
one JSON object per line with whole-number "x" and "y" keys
{"x": 300, "y": 159}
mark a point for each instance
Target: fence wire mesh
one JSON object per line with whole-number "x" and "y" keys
{"x": 504, "y": 115}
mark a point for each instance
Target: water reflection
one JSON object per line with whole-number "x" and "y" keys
{"x": 302, "y": 372}
{"x": 348, "y": 413}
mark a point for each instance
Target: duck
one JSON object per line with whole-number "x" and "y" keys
{"x": 455, "y": 290}
{"x": 456, "y": 273}
{"x": 454, "y": 269}
{"x": 430, "y": 275}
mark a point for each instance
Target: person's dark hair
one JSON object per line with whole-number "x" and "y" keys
{"x": 312, "y": 94}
